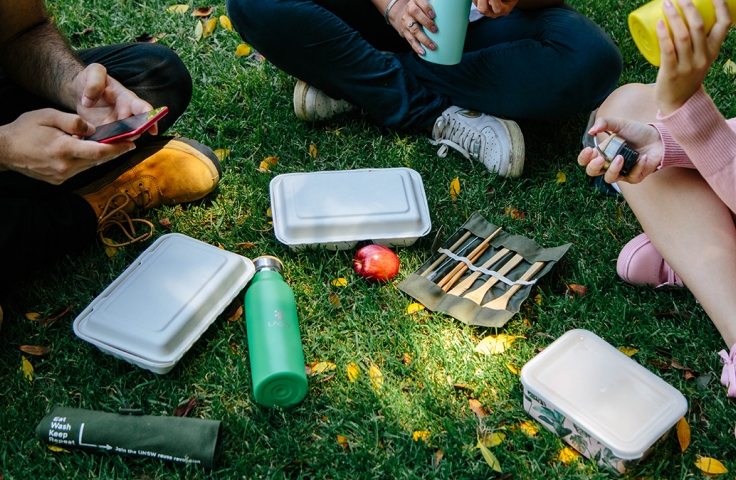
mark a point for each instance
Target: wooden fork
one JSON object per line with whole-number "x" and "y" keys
{"x": 501, "y": 302}
{"x": 461, "y": 287}
{"x": 480, "y": 292}
{"x": 454, "y": 246}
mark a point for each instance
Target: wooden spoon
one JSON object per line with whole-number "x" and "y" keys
{"x": 449, "y": 279}
{"x": 501, "y": 302}
{"x": 480, "y": 292}
{"x": 466, "y": 284}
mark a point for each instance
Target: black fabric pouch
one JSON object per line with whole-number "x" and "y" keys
{"x": 176, "y": 439}
{"x": 425, "y": 289}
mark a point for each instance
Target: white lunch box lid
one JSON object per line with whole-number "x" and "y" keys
{"x": 163, "y": 302}
{"x": 622, "y": 404}
{"x": 340, "y": 207}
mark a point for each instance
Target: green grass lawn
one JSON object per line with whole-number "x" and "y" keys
{"x": 244, "y": 105}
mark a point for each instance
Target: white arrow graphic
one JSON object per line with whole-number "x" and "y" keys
{"x": 82, "y": 444}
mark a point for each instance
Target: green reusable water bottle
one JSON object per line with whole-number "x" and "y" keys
{"x": 274, "y": 343}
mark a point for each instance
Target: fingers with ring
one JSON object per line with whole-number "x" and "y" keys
{"x": 411, "y": 24}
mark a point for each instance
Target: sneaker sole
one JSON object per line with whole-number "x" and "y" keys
{"x": 300, "y": 101}
{"x": 518, "y": 150}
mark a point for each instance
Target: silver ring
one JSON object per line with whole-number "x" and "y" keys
{"x": 411, "y": 24}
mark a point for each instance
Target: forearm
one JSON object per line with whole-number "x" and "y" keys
{"x": 38, "y": 58}
{"x": 382, "y": 5}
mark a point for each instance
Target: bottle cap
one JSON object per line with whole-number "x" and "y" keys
{"x": 267, "y": 262}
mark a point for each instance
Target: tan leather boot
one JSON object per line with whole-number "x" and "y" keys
{"x": 167, "y": 172}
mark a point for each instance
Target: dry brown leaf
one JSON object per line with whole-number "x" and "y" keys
{"x": 236, "y": 316}
{"x": 477, "y": 408}
{"x": 243, "y": 50}
{"x": 494, "y": 344}
{"x": 683, "y": 434}
{"x": 407, "y": 359}
{"x": 454, "y": 188}
{"x": 710, "y": 466}
{"x": 422, "y": 435}
{"x": 515, "y": 213}
{"x": 628, "y": 351}
{"x": 676, "y": 365}
{"x": 437, "y": 458}
{"x": 353, "y": 371}
{"x": 183, "y": 409}
{"x": 53, "y": 317}
{"x": 689, "y": 375}
{"x": 202, "y": 12}
{"x": 209, "y": 27}
{"x": 343, "y": 442}
{"x": 27, "y": 368}
{"x": 179, "y": 8}
{"x": 581, "y": 290}
{"x": 567, "y": 455}
{"x": 376, "y": 377}
{"x": 35, "y": 350}
{"x": 245, "y": 245}
{"x": 531, "y": 429}
{"x": 165, "y": 222}
{"x": 313, "y": 151}
{"x": 334, "y": 299}
{"x": 225, "y": 23}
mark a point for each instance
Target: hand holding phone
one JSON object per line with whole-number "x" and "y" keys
{"x": 127, "y": 127}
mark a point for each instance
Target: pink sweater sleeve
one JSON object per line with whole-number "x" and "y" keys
{"x": 698, "y": 135}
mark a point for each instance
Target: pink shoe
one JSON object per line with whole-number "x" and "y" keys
{"x": 728, "y": 376}
{"x": 639, "y": 263}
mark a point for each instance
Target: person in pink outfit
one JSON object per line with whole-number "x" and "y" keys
{"x": 683, "y": 188}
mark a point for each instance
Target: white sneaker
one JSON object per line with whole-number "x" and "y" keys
{"x": 497, "y": 143}
{"x": 312, "y": 104}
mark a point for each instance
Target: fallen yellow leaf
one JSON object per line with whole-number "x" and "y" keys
{"x": 222, "y": 153}
{"x": 343, "y": 442}
{"x": 269, "y": 162}
{"x": 235, "y": 316}
{"x": 422, "y": 435}
{"x": 567, "y": 455}
{"x": 414, "y": 307}
{"x": 353, "y": 371}
{"x": 490, "y": 440}
{"x": 628, "y": 351}
{"x": 198, "y": 30}
{"x": 33, "y": 316}
{"x": 489, "y": 457}
{"x": 225, "y": 23}
{"x": 729, "y": 67}
{"x": 178, "y": 8}
{"x": 268, "y": 212}
{"x": 339, "y": 282}
{"x": 313, "y": 151}
{"x": 529, "y": 428}
{"x": 494, "y": 344}
{"x": 683, "y": 434}
{"x": 561, "y": 177}
{"x": 57, "y": 449}
{"x": 454, "y": 188}
{"x": 27, "y": 368}
{"x": 512, "y": 369}
{"x": 407, "y": 359}
{"x": 376, "y": 377}
{"x": 242, "y": 50}
{"x": 323, "y": 367}
{"x": 437, "y": 458}
{"x": 209, "y": 27}
{"x": 538, "y": 299}
{"x": 710, "y": 465}
{"x": 110, "y": 251}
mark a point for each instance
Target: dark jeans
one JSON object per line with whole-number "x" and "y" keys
{"x": 531, "y": 64}
{"x": 40, "y": 222}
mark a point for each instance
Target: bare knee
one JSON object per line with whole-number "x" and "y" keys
{"x": 633, "y": 101}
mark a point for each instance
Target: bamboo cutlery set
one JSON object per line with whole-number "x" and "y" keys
{"x": 480, "y": 273}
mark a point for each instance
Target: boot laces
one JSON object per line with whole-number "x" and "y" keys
{"x": 113, "y": 215}
{"x": 459, "y": 136}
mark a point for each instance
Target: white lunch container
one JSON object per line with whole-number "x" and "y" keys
{"x": 337, "y": 209}
{"x": 163, "y": 302}
{"x": 601, "y": 402}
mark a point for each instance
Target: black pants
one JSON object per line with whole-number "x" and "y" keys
{"x": 40, "y": 222}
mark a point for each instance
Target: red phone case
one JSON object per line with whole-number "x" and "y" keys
{"x": 151, "y": 117}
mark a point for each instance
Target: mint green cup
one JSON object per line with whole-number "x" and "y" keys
{"x": 451, "y": 18}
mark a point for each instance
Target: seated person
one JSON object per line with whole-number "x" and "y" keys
{"x": 57, "y": 191}
{"x": 523, "y": 59}
{"x": 682, "y": 189}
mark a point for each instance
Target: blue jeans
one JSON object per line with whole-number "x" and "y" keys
{"x": 532, "y": 64}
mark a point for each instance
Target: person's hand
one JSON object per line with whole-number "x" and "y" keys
{"x": 495, "y": 8}
{"x": 101, "y": 99}
{"x": 641, "y": 137}
{"x": 416, "y": 13}
{"x": 45, "y": 145}
{"x": 686, "y": 60}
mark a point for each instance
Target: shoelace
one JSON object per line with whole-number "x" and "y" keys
{"x": 113, "y": 216}
{"x": 728, "y": 376}
{"x": 460, "y": 138}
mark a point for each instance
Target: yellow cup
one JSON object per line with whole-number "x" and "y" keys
{"x": 643, "y": 24}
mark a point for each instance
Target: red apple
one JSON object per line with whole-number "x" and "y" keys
{"x": 376, "y": 263}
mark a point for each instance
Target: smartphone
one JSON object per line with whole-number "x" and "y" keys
{"x": 127, "y": 127}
